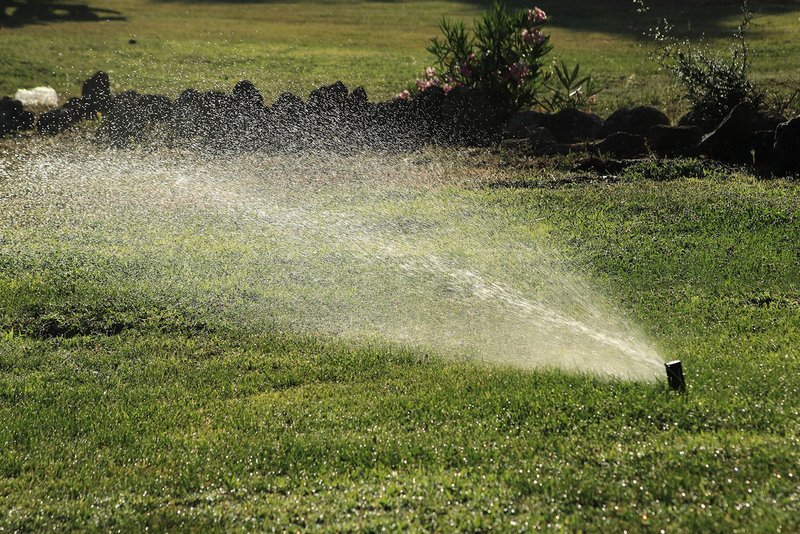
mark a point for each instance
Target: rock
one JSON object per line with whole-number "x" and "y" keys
{"x": 428, "y": 113}
{"x": 786, "y": 150}
{"x": 358, "y": 98}
{"x": 637, "y": 120}
{"x": 288, "y": 105}
{"x": 246, "y": 97}
{"x": 762, "y": 120}
{"x": 539, "y": 144}
{"x": 96, "y": 93}
{"x": 475, "y": 118}
{"x": 215, "y": 104}
{"x": 13, "y": 117}
{"x": 156, "y": 108}
{"x": 695, "y": 118}
{"x": 5, "y": 123}
{"x": 430, "y": 103}
{"x": 328, "y": 98}
{"x": 325, "y": 125}
{"x": 288, "y": 122}
{"x": 57, "y": 120}
{"x": 391, "y": 127}
{"x": 571, "y": 125}
{"x": 516, "y": 144}
{"x": 25, "y": 120}
{"x": 216, "y": 112}
{"x": 81, "y": 107}
{"x": 541, "y": 137}
{"x": 762, "y": 144}
{"x": 127, "y": 120}
{"x": 622, "y": 145}
{"x": 248, "y": 126}
{"x": 601, "y": 166}
{"x": 675, "y": 140}
{"x": 38, "y": 96}
{"x": 188, "y": 97}
{"x": 553, "y": 149}
{"x": 185, "y": 113}
{"x": 357, "y": 119}
{"x": 731, "y": 140}
{"x": 763, "y": 139}
{"x": 10, "y": 105}
{"x": 523, "y": 123}
{"x": 359, "y": 112}
{"x": 767, "y": 120}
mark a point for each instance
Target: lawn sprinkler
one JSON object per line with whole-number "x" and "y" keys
{"x": 675, "y": 376}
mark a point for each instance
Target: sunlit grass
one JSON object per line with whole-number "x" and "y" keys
{"x": 380, "y": 45}
{"x": 127, "y": 401}
{"x": 152, "y": 373}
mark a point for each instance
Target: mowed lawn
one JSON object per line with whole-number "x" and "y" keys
{"x": 118, "y": 411}
{"x": 381, "y": 45}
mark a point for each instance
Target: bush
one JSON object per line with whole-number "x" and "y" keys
{"x": 713, "y": 83}
{"x": 503, "y": 56}
{"x": 568, "y": 88}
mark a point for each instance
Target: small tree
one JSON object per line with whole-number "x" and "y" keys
{"x": 713, "y": 83}
{"x": 503, "y": 56}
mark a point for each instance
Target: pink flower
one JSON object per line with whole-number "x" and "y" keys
{"x": 430, "y": 72}
{"x": 518, "y": 71}
{"x": 534, "y": 36}
{"x": 403, "y": 95}
{"x": 465, "y": 70}
{"x": 527, "y": 37}
{"x": 427, "y": 84}
{"x": 536, "y": 16}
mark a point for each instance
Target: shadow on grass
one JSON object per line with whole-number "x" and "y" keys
{"x": 622, "y": 17}
{"x": 689, "y": 18}
{"x": 18, "y": 13}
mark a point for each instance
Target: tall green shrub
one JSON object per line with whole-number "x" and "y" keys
{"x": 503, "y": 56}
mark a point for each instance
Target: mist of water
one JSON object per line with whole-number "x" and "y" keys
{"x": 365, "y": 247}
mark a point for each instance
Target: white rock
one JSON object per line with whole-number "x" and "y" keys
{"x": 38, "y": 96}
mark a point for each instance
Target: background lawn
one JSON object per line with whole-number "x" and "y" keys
{"x": 147, "y": 378}
{"x": 380, "y": 45}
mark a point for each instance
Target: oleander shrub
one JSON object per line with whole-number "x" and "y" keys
{"x": 503, "y": 56}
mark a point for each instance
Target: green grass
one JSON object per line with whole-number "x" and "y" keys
{"x": 135, "y": 412}
{"x": 381, "y": 45}
{"x": 122, "y": 410}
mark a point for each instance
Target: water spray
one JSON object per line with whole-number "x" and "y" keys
{"x": 362, "y": 247}
{"x": 675, "y": 376}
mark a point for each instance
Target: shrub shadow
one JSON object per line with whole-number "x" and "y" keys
{"x": 689, "y": 18}
{"x": 622, "y": 17}
{"x": 18, "y": 13}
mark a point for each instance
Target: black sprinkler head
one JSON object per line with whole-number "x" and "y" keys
{"x": 675, "y": 376}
